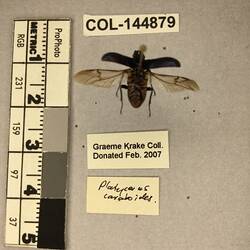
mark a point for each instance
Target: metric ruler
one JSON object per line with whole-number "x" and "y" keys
{"x": 37, "y": 156}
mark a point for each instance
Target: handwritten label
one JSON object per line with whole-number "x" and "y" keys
{"x": 123, "y": 195}
{"x": 107, "y": 25}
{"x": 128, "y": 150}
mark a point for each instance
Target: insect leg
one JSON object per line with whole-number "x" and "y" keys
{"x": 116, "y": 93}
{"x": 120, "y": 89}
{"x": 149, "y": 102}
{"x": 119, "y": 86}
{"x": 121, "y": 97}
{"x": 152, "y": 91}
{"x": 151, "y": 85}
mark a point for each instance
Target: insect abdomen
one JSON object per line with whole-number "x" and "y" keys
{"x": 137, "y": 88}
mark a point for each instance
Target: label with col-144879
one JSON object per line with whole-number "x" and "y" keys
{"x": 129, "y": 24}
{"x": 128, "y": 150}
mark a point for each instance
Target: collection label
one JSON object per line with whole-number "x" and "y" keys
{"x": 129, "y": 24}
{"x": 128, "y": 150}
{"x": 123, "y": 195}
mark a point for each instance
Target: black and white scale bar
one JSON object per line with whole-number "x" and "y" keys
{"x": 41, "y": 216}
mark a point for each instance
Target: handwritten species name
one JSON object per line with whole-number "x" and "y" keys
{"x": 126, "y": 193}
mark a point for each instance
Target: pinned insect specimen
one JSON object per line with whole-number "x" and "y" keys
{"x": 138, "y": 76}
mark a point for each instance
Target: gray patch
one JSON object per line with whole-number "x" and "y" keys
{"x": 54, "y": 175}
{"x": 55, "y": 130}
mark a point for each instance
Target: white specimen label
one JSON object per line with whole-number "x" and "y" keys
{"x": 123, "y": 195}
{"x": 129, "y": 24}
{"x": 128, "y": 150}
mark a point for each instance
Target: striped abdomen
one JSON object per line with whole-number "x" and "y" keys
{"x": 137, "y": 87}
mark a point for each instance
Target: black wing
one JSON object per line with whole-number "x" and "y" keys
{"x": 161, "y": 62}
{"x": 118, "y": 58}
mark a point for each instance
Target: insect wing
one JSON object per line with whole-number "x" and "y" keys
{"x": 118, "y": 58}
{"x": 175, "y": 83}
{"x": 161, "y": 62}
{"x": 99, "y": 77}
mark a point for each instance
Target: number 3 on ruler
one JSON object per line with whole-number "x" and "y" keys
{"x": 30, "y": 145}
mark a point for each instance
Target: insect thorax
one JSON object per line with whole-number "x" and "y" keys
{"x": 137, "y": 77}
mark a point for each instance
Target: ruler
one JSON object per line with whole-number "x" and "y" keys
{"x": 37, "y": 156}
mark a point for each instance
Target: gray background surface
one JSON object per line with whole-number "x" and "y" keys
{"x": 205, "y": 202}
